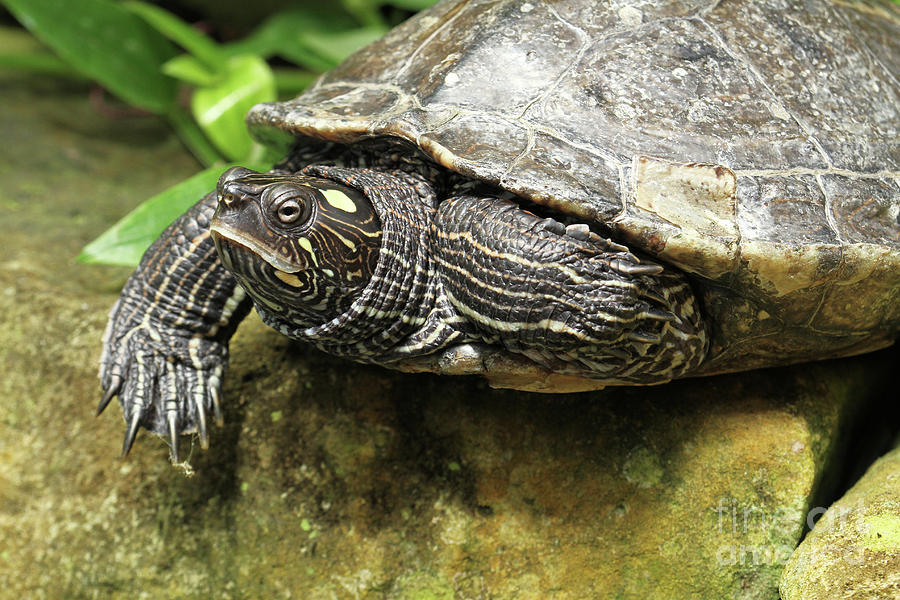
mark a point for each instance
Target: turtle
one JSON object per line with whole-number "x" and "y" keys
{"x": 558, "y": 196}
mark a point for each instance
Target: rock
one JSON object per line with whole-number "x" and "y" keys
{"x": 335, "y": 480}
{"x": 854, "y": 549}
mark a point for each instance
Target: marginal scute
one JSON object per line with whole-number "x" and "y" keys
{"x": 787, "y": 241}
{"x": 695, "y": 197}
{"x": 866, "y": 294}
{"x": 783, "y": 268}
{"x": 699, "y": 201}
{"x": 588, "y": 188}
{"x": 470, "y": 139}
{"x": 784, "y": 208}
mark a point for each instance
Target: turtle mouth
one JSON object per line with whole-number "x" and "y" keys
{"x": 220, "y": 229}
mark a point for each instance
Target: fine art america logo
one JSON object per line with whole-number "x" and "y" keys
{"x": 747, "y": 523}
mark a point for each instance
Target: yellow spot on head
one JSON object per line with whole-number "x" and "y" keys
{"x": 339, "y": 200}
{"x": 289, "y": 278}
{"x": 307, "y": 245}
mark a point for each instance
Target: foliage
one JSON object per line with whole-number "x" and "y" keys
{"x": 146, "y": 56}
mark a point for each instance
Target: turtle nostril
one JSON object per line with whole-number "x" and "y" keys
{"x": 232, "y": 198}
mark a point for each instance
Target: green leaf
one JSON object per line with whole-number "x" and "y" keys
{"x": 220, "y": 108}
{"x": 190, "y": 70}
{"x": 125, "y": 242}
{"x": 16, "y": 40}
{"x": 338, "y": 46}
{"x": 105, "y": 42}
{"x": 189, "y": 38}
{"x": 283, "y": 35}
{"x": 261, "y": 154}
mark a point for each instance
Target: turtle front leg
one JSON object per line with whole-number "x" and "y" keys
{"x": 165, "y": 348}
{"x": 564, "y": 296}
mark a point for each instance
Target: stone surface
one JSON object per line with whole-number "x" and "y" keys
{"x": 333, "y": 480}
{"x": 854, "y": 549}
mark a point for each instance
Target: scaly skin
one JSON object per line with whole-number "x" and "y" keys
{"x": 565, "y": 297}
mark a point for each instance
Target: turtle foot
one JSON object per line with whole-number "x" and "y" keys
{"x": 166, "y": 383}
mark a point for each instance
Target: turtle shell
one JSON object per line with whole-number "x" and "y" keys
{"x": 754, "y": 144}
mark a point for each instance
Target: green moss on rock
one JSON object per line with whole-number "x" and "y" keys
{"x": 854, "y": 549}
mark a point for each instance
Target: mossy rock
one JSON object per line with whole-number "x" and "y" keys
{"x": 854, "y": 549}
{"x": 334, "y": 480}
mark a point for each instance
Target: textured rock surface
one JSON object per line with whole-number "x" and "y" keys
{"x": 854, "y": 550}
{"x": 332, "y": 480}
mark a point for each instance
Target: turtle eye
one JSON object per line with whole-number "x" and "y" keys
{"x": 289, "y": 211}
{"x": 288, "y": 204}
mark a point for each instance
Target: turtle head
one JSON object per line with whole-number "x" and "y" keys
{"x": 303, "y": 247}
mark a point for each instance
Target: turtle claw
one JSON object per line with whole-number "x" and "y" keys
{"x": 172, "y": 420}
{"x": 201, "y": 424}
{"x": 579, "y": 231}
{"x": 644, "y": 337}
{"x": 131, "y": 433}
{"x": 631, "y": 268}
{"x": 216, "y": 396}
{"x": 111, "y": 391}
